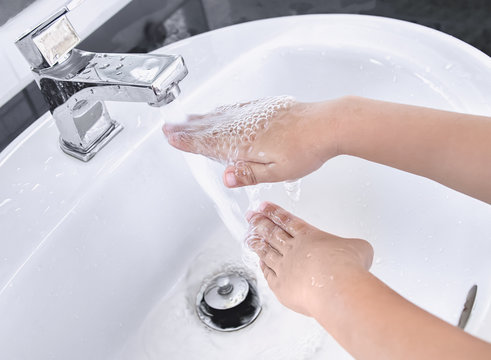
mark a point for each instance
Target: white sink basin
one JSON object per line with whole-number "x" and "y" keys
{"x": 90, "y": 252}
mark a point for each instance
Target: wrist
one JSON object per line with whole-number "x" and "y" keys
{"x": 332, "y": 309}
{"x": 345, "y": 112}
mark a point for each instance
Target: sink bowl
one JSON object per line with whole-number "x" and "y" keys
{"x": 103, "y": 259}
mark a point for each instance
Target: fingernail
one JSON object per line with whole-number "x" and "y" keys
{"x": 230, "y": 179}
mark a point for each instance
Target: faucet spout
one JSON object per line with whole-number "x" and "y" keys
{"x": 113, "y": 77}
{"x": 76, "y": 83}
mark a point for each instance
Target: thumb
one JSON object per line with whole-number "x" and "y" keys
{"x": 243, "y": 173}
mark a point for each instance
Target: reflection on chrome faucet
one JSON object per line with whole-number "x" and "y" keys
{"x": 76, "y": 83}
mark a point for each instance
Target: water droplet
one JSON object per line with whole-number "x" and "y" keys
{"x": 122, "y": 58}
{"x": 104, "y": 66}
{"x": 4, "y": 202}
{"x": 119, "y": 66}
{"x": 376, "y": 62}
{"x": 119, "y": 73}
{"x": 86, "y": 71}
{"x": 293, "y": 189}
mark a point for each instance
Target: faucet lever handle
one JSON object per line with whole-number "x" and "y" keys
{"x": 50, "y": 42}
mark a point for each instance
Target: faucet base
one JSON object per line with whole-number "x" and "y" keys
{"x": 87, "y": 154}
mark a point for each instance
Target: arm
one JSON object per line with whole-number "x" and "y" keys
{"x": 373, "y": 322}
{"x": 297, "y": 138}
{"x": 365, "y": 316}
{"x": 326, "y": 277}
{"x": 451, "y": 148}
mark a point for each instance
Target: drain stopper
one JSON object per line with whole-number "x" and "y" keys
{"x": 228, "y": 302}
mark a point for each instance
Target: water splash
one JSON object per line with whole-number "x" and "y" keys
{"x": 232, "y": 129}
{"x": 293, "y": 190}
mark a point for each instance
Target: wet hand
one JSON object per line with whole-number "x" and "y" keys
{"x": 303, "y": 265}
{"x": 266, "y": 140}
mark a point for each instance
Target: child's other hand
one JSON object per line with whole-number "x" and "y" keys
{"x": 303, "y": 265}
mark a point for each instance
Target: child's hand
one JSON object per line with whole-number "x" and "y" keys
{"x": 266, "y": 140}
{"x": 303, "y": 265}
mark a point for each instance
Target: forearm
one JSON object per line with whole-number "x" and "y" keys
{"x": 373, "y": 322}
{"x": 451, "y": 148}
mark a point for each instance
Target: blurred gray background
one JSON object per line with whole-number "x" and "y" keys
{"x": 144, "y": 25}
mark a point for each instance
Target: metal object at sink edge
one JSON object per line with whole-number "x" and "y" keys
{"x": 75, "y": 83}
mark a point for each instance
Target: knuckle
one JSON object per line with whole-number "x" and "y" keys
{"x": 275, "y": 212}
{"x": 256, "y": 219}
{"x": 244, "y": 171}
{"x": 252, "y": 242}
{"x": 282, "y": 217}
{"x": 275, "y": 232}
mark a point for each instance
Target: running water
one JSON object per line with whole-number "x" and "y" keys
{"x": 240, "y": 123}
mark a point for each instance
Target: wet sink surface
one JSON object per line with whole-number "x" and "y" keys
{"x": 98, "y": 260}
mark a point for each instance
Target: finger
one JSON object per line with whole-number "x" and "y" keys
{"x": 196, "y": 143}
{"x": 284, "y": 219}
{"x": 263, "y": 228}
{"x": 244, "y": 173}
{"x": 279, "y": 239}
{"x": 261, "y": 231}
{"x": 170, "y": 128}
{"x": 260, "y": 225}
{"x": 193, "y": 117}
{"x": 184, "y": 141}
{"x": 266, "y": 253}
{"x": 268, "y": 273}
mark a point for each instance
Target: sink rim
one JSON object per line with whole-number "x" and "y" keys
{"x": 34, "y": 131}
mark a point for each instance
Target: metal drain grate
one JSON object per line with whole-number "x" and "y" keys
{"x": 228, "y": 302}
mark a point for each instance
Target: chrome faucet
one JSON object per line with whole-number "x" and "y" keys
{"x": 76, "y": 83}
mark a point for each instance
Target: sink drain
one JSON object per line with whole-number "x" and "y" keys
{"x": 228, "y": 302}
